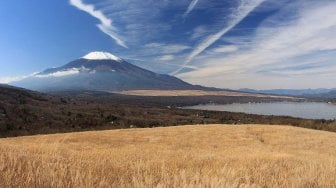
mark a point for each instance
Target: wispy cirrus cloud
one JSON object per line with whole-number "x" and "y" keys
{"x": 199, "y": 32}
{"x": 153, "y": 28}
{"x": 167, "y": 58}
{"x": 284, "y": 38}
{"x": 105, "y": 22}
{"x": 163, "y": 48}
{"x": 190, "y": 8}
{"x": 294, "y": 48}
{"x": 225, "y": 49}
{"x": 244, "y": 9}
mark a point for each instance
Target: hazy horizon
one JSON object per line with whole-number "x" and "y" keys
{"x": 258, "y": 44}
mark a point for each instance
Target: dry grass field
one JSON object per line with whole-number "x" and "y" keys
{"x": 186, "y": 156}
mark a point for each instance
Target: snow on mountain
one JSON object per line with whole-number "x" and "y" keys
{"x": 101, "y": 56}
{"x": 100, "y": 71}
{"x": 90, "y": 63}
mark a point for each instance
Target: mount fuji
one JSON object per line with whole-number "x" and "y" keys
{"x": 101, "y": 71}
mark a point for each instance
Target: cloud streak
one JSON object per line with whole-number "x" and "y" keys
{"x": 63, "y": 73}
{"x": 163, "y": 48}
{"x": 9, "y": 79}
{"x": 297, "y": 53}
{"x": 167, "y": 58}
{"x": 243, "y": 10}
{"x": 225, "y": 49}
{"x": 105, "y": 24}
{"x": 190, "y": 8}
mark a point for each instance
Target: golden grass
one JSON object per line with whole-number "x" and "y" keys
{"x": 186, "y": 156}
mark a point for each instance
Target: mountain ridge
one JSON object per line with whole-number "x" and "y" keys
{"x": 319, "y": 92}
{"x": 101, "y": 71}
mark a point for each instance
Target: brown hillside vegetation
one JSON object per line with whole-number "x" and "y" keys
{"x": 24, "y": 112}
{"x": 186, "y": 156}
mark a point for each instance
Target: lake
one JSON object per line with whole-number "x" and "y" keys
{"x": 307, "y": 110}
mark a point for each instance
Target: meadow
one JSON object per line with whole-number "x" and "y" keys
{"x": 182, "y": 156}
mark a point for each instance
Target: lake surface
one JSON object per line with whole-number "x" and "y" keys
{"x": 308, "y": 110}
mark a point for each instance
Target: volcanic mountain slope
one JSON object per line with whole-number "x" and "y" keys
{"x": 101, "y": 71}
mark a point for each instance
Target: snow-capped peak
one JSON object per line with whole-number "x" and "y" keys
{"x": 101, "y": 56}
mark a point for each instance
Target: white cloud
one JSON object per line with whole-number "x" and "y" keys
{"x": 295, "y": 53}
{"x": 178, "y": 65}
{"x": 163, "y": 48}
{"x": 9, "y": 79}
{"x": 105, "y": 22}
{"x": 244, "y": 9}
{"x": 198, "y": 32}
{"x": 110, "y": 32}
{"x": 6, "y": 80}
{"x": 62, "y": 73}
{"x": 190, "y": 7}
{"x": 167, "y": 58}
{"x": 225, "y": 49}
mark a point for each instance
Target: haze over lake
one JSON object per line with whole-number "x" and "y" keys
{"x": 307, "y": 110}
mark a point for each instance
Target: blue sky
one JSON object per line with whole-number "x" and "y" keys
{"x": 234, "y": 44}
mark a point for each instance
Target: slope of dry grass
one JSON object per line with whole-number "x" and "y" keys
{"x": 186, "y": 156}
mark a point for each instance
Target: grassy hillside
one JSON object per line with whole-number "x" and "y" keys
{"x": 186, "y": 156}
